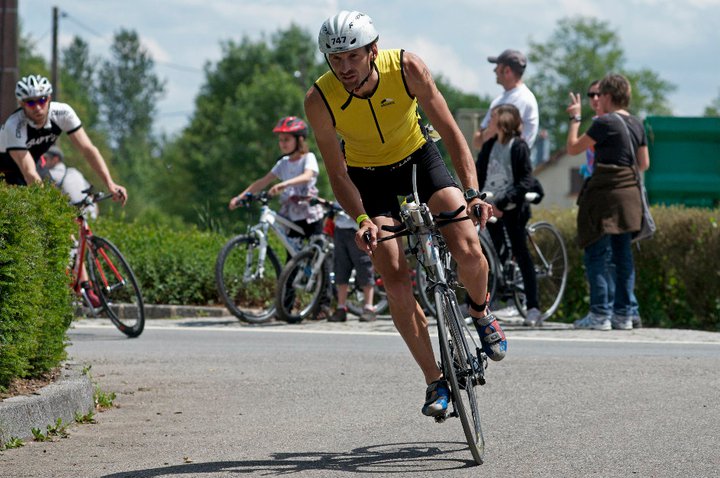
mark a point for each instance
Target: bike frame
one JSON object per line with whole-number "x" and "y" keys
{"x": 85, "y": 233}
{"x": 269, "y": 221}
{"x": 458, "y": 363}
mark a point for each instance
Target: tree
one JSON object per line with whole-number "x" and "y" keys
{"x": 229, "y": 141}
{"x": 128, "y": 90}
{"x": 581, "y": 50}
{"x": 713, "y": 109}
{"x": 78, "y": 79}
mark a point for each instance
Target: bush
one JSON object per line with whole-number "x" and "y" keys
{"x": 35, "y": 301}
{"x": 677, "y": 271}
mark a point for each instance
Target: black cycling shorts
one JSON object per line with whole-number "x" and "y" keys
{"x": 380, "y": 187}
{"x": 10, "y": 172}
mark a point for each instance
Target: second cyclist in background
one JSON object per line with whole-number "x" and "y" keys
{"x": 505, "y": 170}
{"x": 296, "y": 170}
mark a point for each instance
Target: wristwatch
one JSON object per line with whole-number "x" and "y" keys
{"x": 471, "y": 194}
{"x": 577, "y": 118}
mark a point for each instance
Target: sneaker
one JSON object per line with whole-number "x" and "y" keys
{"x": 637, "y": 322}
{"x": 594, "y": 322}
{"x": 340, "y": 315}
{"x": 492, "y": 337}
{"x": 437, "y": 397}
{"x": 621, "y": 322}
{"x": 93, "y": 298}
{"x": 533, "y": 318}
{"x": 368, "y": 315}
{"x": 323, "y": 313}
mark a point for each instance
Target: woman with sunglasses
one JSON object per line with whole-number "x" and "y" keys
{"x": 35, "y": 126}
{"x": 609, "y": 205}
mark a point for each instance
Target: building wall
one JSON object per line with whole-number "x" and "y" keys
{"x": 556, "y": 176}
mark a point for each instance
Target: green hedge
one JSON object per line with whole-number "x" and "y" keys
{"x": 677, "y": 271}
{"x": 35, "y": 301}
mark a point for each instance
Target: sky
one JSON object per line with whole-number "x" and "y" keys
{"x": 678, "y": 39}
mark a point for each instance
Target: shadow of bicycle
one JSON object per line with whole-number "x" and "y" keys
{"x": 385, "y": 459}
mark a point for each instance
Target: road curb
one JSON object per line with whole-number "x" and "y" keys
{"x": 71, "y": 394}
{"x": 159, "y": 311}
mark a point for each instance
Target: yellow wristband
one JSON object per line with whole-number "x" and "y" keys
{"x": 361, "y": 218}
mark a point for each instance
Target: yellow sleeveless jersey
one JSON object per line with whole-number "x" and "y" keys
{"x": 382, "y": 129}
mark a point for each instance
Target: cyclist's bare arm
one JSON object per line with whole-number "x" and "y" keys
{"x": 422, "y": 86}
{"x": 26, "y": 163}
{"x": 254, "y": 188}
{"x": 303, "y": 178}
{"x": 81, "y": 141}
{"x": 345, "y": 191}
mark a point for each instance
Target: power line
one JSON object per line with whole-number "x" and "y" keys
{"x": 175, "y": 66}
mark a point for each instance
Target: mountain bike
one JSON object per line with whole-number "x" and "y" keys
{"x": 461, "y": 358}
{"x": 247, "y": 268}
{"x": 308, "y": 275}
{"x": 111, "y": 277}
{"x": 549, "y": 257}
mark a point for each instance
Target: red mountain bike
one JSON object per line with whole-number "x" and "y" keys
{"x": 111, "y": 279}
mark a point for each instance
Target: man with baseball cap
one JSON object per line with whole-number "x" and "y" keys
{"x": 509, "y": 69}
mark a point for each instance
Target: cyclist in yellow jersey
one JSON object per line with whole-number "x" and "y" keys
{"x": 369, "y": 97}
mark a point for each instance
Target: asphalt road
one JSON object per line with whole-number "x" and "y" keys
{"x": 212, "y": 398}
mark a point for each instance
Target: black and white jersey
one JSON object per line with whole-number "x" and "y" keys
{"x": 19, "y": 132}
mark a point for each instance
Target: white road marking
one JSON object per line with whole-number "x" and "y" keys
{"x": 285, "y": 329}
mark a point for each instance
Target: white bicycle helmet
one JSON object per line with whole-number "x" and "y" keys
{"x": 32, "y": 86}
{"x": 346, "y": 31}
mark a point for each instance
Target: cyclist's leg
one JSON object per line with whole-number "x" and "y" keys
{"x": 389, "y": 260}
{"x": 464, "y": 246}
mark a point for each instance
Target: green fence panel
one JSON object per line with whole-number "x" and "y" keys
{"x": 684, "y": 161}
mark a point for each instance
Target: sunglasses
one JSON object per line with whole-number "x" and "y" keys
{"x": 593, "y": 94}
{"x": 37, "y": 101}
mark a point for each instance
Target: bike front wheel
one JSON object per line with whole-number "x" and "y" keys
{"x": 114, "y": 282}
{"x": 462, "y": 370}
{"x": 299, "y": 288}
{"x": 424, "y": 296}
{"x": 245, "y": 283}
{"x": 549, "y": 257}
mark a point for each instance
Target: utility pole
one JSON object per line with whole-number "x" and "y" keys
{"x": 54, "y": 73}
{"x": 8, "y": 56}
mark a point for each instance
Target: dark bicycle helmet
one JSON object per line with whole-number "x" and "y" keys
{"x": 292, "y": 125}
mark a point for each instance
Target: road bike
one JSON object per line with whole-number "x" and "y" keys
{"x": 549, "y": 256}
{"x": 111, "y": 278}
{"x": 462, "y": 361}
{"x": 247, "y": 268}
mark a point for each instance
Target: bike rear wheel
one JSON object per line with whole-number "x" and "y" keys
{"x": 247, "y": 286}
{"x": 356, "y": 297}
{"x": 299, "y": 289}
{"x": 462, "y": 370}
{"x": 114, "y": 282}
{"x": 549, "y": 257}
